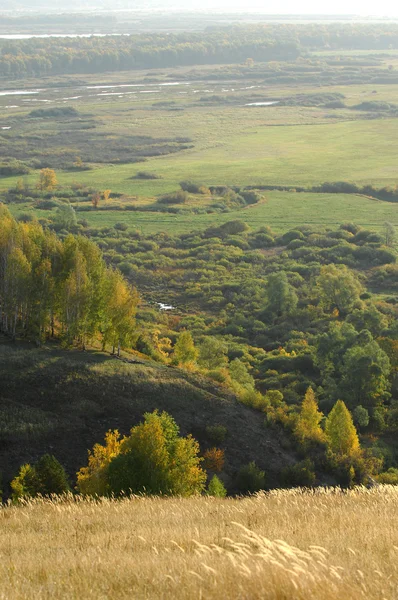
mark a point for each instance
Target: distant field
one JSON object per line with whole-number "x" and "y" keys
{"x": 323, "y": 545}
{"x": 280, "y": 210}
{"x": 359, "y": 151}
{"x": 232, "y": 144}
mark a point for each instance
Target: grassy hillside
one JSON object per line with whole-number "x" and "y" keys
{"x": 63, "y": 402}
{"x": 325, "y": 545}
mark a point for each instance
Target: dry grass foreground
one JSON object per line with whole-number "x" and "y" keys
{"x": 282, "y": 545}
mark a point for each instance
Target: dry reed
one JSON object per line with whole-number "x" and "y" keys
{"x": 323, "y": 544}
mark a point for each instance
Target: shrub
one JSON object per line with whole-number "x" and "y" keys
{"x": 48, "y": 113}
{"x": 216, "y": 488}
{"x": 44, "y": 478}
{"x": 12, "y": 168}
{"x": 217, "y": 433}
{"x": 214, "y": 459}
{"x": 251, "y": 196}
{"x": 299, "y": 475}
{"x": 179, "y": 197}
{"x": 46, "y": 204}
{"x": 250, "y": 479}
{"x": 146, "y": 175}
{"x": 25, "y": 218}
{"x": 389, "y": 477}
{"x": 361, "y": 416}
{"x": 121, "y": 226}
{"x": 194, "y": 188}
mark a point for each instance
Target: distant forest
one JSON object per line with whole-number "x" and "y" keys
{"x": 262, "y": 43}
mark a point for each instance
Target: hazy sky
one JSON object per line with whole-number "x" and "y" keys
{"x": 295, "y": 7}
{"x": 359, "y": 7}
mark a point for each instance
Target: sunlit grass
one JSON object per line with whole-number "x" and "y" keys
{"x": 325, "y": 545}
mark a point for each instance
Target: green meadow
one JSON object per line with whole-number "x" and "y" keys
{"x": 280, "y": 210}
{"x": 229, "y": 144}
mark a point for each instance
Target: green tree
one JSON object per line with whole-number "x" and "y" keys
{"x": 65, "y": 216}
{"x": 184, "y": 350}
{"x": 239, "y": 373}
{"x": 365, "y": 372}
{"x": 51, "y": 476}
{"x": 340, "y": 432}
{"x": 368, "y": 318}
{"x": 390, "y": 234}
{"x": 216, "y": 488}
{"x": 25, "y": 484}
{"x": 307, "y": 428}
{"x": 281, "y": 297}
{"x": 250, "y": 479}
{"x": 361, "y": 416}
{"x": 212, "y": 353}
{"x": 154, "y": 459}
{"x": 44, "y": 478}
{"x": 338, "y": 288}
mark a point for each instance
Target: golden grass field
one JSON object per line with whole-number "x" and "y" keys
{"x": 322, "y": 544}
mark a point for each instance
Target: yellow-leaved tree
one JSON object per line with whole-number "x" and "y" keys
{"x": 341, "y": 433}
{"x": 47, "y": 180}
{"x": 93, "y": 479}
{"x": 185, "y": 351}
{"x": 153, "y": 459}
{"x": 307, "y": 428}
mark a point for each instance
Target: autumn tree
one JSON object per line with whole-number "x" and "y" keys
{"x": 95, "y": 199}
{"x": 307, "y": 428}
{"x": 185, "y": 351}
{"x": 340, "y": 432}
{"x": 78, "y": 164}
{"x": 118, "y": 319}
{"x": 153, "y": 459}
{"x": 47, "y": 180}
{"x": 106, "y": 195}
{"x": 92, "y": 480}
{"x": 47, "y": 283}
{"x": 214, "y": 459}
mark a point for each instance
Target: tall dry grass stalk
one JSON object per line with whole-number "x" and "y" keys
{"x": 322, "y": 544}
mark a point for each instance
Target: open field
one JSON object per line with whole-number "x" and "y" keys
{"x": 199, "y": 127}
{"x": 357, "y": 151}
{"x": 324, "y": 545}
{"x": 232, "y": 143}
{"x": 280, "y": 210}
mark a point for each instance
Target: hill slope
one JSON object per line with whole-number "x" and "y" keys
{"x": 62, "y": 402}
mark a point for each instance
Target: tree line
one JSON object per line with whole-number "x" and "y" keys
{"x": 53, "y": 287}
{"x": 261, "y": 43}
{"x": 154, "y": 459}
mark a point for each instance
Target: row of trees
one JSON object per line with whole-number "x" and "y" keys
{"x": 49, "y": 287}
{"x": 155, "y": 460}
{"x": 233, "y": 45}
{"x": 152, "y": 459}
